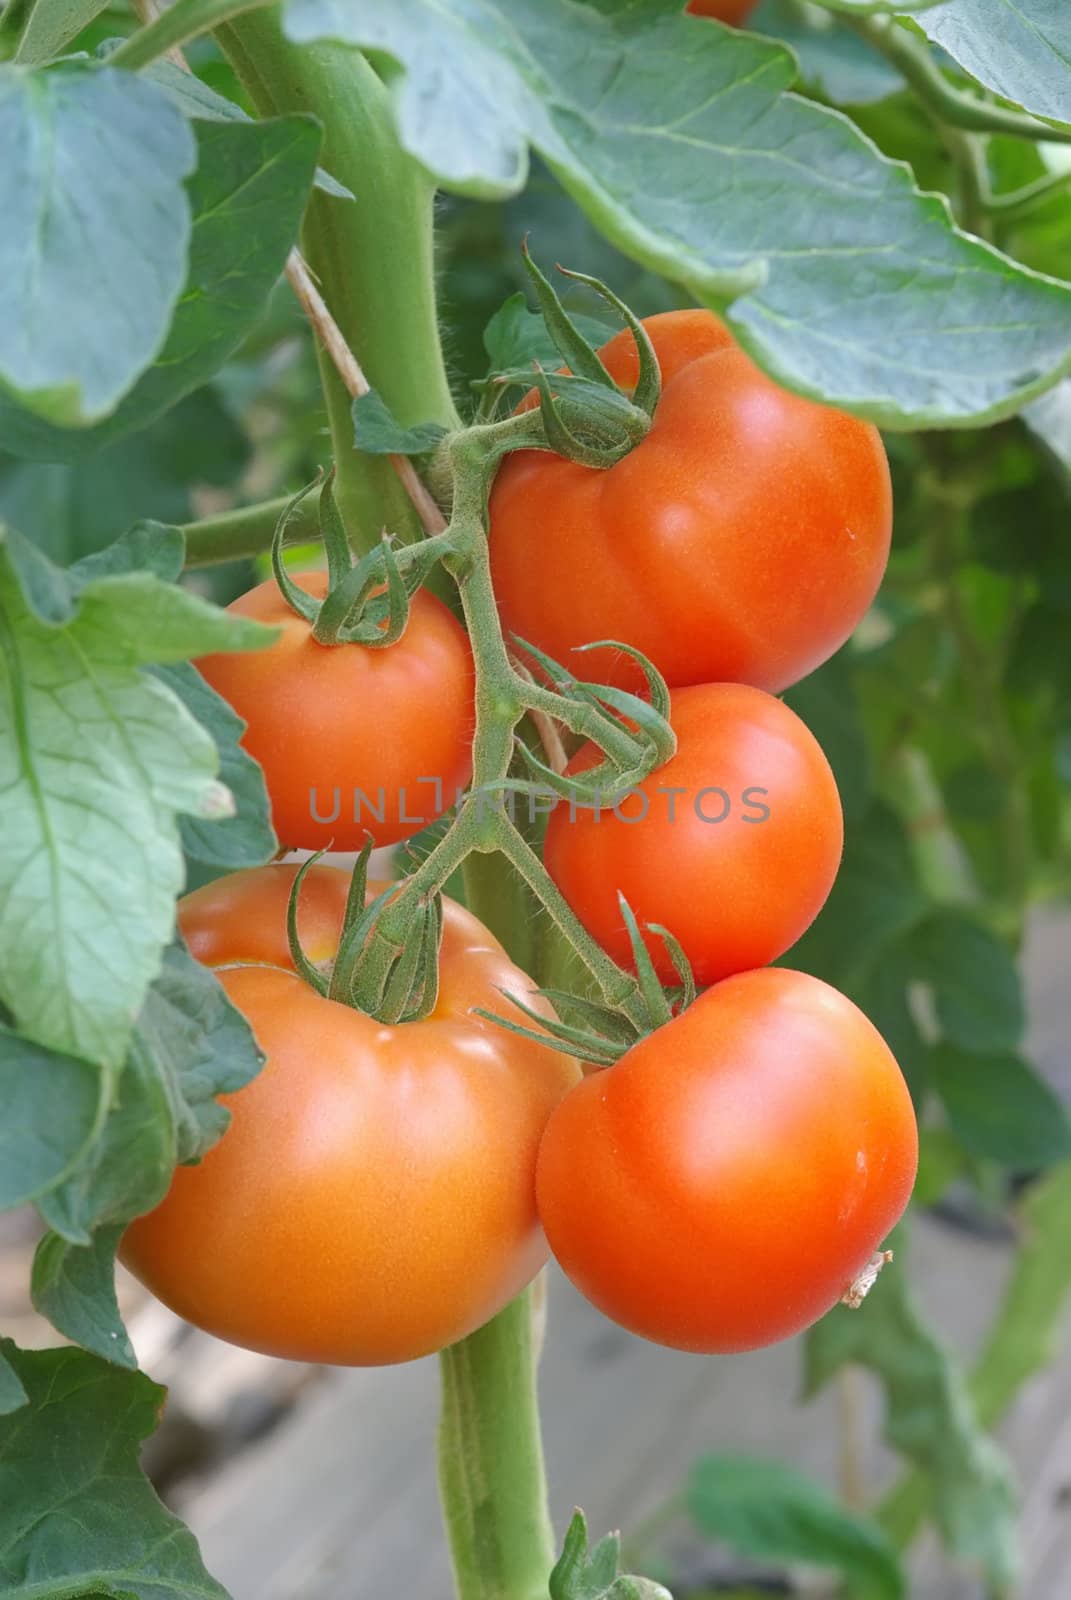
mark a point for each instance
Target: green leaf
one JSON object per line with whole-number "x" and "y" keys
{"x": 1000, "y": 1109}
{"x": 247, "y": 839}
{"x": 70, "y": 509}
{"x": 929, "y": 1417}
{"x": 189, "y": 1045}
{"x": 75, "y": 1289}
{"x": 884, "y": 994}
{"x": 78, "y": 1517}
{"x": 53, "y": 24}
{"x": 832, "y": 59}
{"x": 874, "y": 902}
{"x": 827, "y": 702}
{"x": 53, "y": 1107}
{"x": 517, "y": 337}
{"x": 198, "y": 101}
{"x": 1021, "y": 49}
{"x": 96, "y": 760}
{"x": 1050, "y": 419}
{"x": 96, "y": 232}
{"x": 678, "y": 140}
{"x": 376, "y": 433}
{"x": 247, "y": 195}
{"x": 976, "y": 984}
{"x": 763, "y": 1508}
{"x": 12, "y": 1394}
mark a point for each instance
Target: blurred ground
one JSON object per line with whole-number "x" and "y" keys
{"x": 305, "y": 1483}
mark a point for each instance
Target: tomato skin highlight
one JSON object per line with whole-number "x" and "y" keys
{"x": 389, "y": 724}
{"x": 734, "y": 12}
{"x": 739, "y": 1166}
{"x": 374, "y": 1196}
{"x": 741, "y": 541}
{"x": 736, "y": 893}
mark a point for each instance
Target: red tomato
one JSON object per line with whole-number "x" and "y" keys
{"x": 354, "y": 742}
{"x": 736, "y": 863}
{"x": 741, "y": 541}
{"x": 722, "y": 1185}
{"x": 374, "y": 1196}
{"x": 734, "y": 12}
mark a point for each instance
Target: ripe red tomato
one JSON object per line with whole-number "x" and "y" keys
{"x": 741, "y": 541}
{"x": 738, "y": 1167}
{"x": 733, "y": 844}
{"x": 354, "y": 742}
{"x": 734, "y": 12}
{"x": 374, "y": 1196}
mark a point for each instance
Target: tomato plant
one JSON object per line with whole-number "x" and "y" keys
{"x": 741, "y": 1164}
{"x": 741, "y": 541}
{"x": 331, "y": 519}
{"x": 733, "y": 844}
{"x": 373, "y": 1198}
{"x": 354, "y": 742}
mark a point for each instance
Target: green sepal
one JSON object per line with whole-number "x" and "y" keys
{"x": 333, "y": 532}
{"x": 575, "y": 1043}
{"x": 294, "y": 595}
{"x": 675, "y": 951}
{"x": 305, "y": 968}
{"x": 570, "y": 343}
{"x": 656, "y": 685}
{"x": 648, "y": 390}
{"x": 658, "y": 1007}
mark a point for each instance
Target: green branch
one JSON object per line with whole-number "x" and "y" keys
{"x": 246, "y": 532}
{"x": 911, "y": 57}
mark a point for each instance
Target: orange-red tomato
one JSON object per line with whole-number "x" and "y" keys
{"x": 742, "y": 540}
{"x": 734, "y": 12}
{"x": 733, "y": 844}
{"x": 723, "y": 1184}
{"x": 354, "y": 742}
{"x": 374, "y": 1196}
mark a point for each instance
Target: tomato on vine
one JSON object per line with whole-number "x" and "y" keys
{"x": 728, "y": 1180}
{"x": 373, "y": 1199}
{"x": 741, "y": 541}
{"x": 733, "y": 844}
{"x": 356, "y": 741}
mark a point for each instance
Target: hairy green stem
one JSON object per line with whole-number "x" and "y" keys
{"x": 248, "y": 531}
{"x": 911, "y": 57}
{"x": 491, "y": 1461}
{"x": 372, "y": 257}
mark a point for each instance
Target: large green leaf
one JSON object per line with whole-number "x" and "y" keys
{"x": 1019, "y": 48}
{"x": 975, "y": 981}
{"x": 53, "y": 1107}
{"x": 247, "y": 195}
{"x": 97, "y": 758}
{"x": 77, "y": 1515}
{"x": 12, "y": 1394}
{"x": 929, "y": 1418}
{"x": 189, "y": 1045}
{"x": 678, "y": 139}
{"x": 96, "y": 231}
{"x": 1000, "y": 1109}
{"x": 765, "y": 1509}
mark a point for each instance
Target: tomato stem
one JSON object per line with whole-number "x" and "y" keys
{"x": 491, "y": 1473}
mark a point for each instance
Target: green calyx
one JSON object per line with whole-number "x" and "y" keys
{"x": 601, "y": 1034}
{"x": 587, "y": 417}
{"x": 367, "y": 601}
{"x": 402, "y": 983}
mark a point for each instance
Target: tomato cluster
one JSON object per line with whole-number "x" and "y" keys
{"x": 384, "y": 1189}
